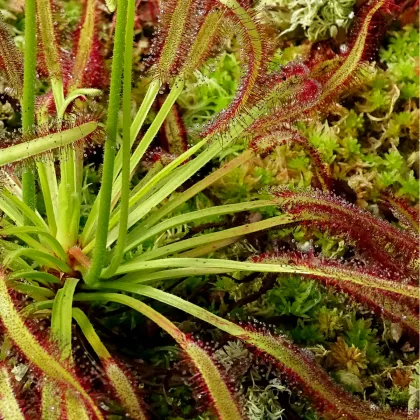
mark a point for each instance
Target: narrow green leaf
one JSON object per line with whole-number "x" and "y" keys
{"x": 39, "y": 276}
{"x": 36, "y": 292}
{"x": 27, "y": 239}
{"x": 166, "y": 171}
{"x": 49, "y": 187}
{"x": 110, "y": 143}
{"x": 213, "y": 237}
{"x": 139, "y": 235}
{"x": 195, "y": 189}
{"x": 171, "y": 274}
{"x": 29, "y": 214}
{"x": 11, "y": 211}
{"x": 62, "y": 316}
{"x": 40, "y": 257}
{"x": 28, "y": 99}
{"x": 139, "y": 266}
{"x": 54, "y": 244}
{"x": 51, "y": 142}
{"x": 18, "y": 263}
{"x": 118, "y": 252}
{"x": 90, "y": 333}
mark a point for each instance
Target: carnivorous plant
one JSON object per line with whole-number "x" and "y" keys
{"x": 63, "y": 264}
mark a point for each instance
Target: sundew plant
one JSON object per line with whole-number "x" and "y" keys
{"x": 55, "y": 263}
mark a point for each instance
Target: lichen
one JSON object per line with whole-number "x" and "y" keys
{"x": 318, "y": 19}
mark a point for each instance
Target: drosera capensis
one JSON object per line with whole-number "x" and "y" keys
{"x": 63, "y": 263}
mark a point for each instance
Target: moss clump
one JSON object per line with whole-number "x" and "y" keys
{"x": 316, "y": 19}
{"x": 371, "y": 141}
{"x": 210, "y": 90}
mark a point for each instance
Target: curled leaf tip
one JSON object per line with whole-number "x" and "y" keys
{"x": 111, "y": 5}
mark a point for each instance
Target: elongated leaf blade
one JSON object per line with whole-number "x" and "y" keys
{"x": 214, "y": 381}
{"x": 300, "y": 365}
{"x": 75, "y": 408}
{"x": 51, "y": 401}
{"x": 34, "y": 351}
{"x": 378, "y": 241}
{"x": 11, "y": 61}
{"x": 305, "y": 374}
{"x": 88, "y": 65}
{"x": 124, "y": 389}
{"x": 49, "y": 38}
{"x": 390, "y": 298}
{"x": 45, "y": 141}
{"x": 9, "y": 405}
{"x": 118, "y": 378}
{"x": 352, "y": 68}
